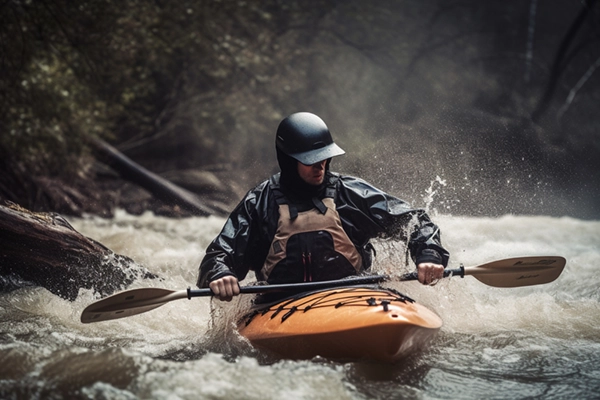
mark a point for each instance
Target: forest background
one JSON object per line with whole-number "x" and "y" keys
{"x": 468, "y": 107}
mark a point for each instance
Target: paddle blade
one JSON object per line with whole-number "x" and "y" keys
{"x": 520, "y": 271}
{"x": 128, "y": 303}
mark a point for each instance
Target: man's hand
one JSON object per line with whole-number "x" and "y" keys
{"x": 430, "y": 273}
{"x": 225, "y": 288}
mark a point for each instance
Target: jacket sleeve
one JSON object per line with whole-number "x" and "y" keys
{"x": 373, "y": 213}
{"x": 425, "y": 244}
{"x": 228, "y": 253}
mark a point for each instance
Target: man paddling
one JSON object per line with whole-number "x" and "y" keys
{"x": 307, "y": 223}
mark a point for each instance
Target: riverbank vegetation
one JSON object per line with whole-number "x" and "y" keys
{"x": 472, "y": 101}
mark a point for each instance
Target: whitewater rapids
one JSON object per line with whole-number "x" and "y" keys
{"x": 532, "y": 342}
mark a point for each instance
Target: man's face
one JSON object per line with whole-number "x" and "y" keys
{"x": 312, "y": 174}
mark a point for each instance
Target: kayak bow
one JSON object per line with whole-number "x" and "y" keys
{"x": 343, "y": 323}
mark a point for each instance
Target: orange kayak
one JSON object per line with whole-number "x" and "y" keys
{"x": 342, "y": 323}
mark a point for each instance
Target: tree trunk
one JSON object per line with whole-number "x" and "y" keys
{"x": 158, "y": 186}
{"x": 44, "y": 250}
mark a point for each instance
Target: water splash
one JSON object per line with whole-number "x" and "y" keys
{"x": 432, "y": 191}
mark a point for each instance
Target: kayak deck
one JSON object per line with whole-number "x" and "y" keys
{"x": 342, "y": 323}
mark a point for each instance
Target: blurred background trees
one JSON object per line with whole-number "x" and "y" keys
{"x": 469, "y": 107}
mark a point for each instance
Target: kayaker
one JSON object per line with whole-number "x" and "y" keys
{"x": 307, "y": 223}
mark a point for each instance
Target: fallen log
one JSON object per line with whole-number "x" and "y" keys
{"x": 153, "y": 183}
{"x": 43, "y": 249}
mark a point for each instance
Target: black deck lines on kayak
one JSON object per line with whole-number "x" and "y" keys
{"x": 318, "y": 301}
{"x": 353, "y": 298}
{"x": 353, "y": 302}
{"x": 289, "y": 313}
{"x": 295, "y": 308}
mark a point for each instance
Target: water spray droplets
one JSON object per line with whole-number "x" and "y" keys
{"x": 432, "y": 190}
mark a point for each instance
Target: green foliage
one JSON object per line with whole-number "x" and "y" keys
{"x": 47, "y": 116}
{"x": 72, "y": 70}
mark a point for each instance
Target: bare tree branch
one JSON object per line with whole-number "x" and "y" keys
{"x": 578, "y": 86}
{"x": 559, "y": 59}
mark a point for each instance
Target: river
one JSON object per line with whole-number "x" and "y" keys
{"x": 533, "y": 342}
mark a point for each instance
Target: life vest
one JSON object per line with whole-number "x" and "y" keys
{"x": 310, "y": 245}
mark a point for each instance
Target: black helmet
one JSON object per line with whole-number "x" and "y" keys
{"x": 305, "y": 137}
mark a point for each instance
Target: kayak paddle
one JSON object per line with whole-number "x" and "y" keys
{"x": 512, "y": 272}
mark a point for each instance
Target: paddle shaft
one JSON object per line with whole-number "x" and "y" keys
{"x": 414, "y": 276}
{"x": 512, "y": 272}
{"x": 307, "y": 286}
{"x": 296, "y": 287}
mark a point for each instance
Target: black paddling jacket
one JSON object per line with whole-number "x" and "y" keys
{"x": 365, "y": 211}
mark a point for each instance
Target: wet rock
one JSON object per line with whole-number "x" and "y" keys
{"x": 43, "y": 249}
